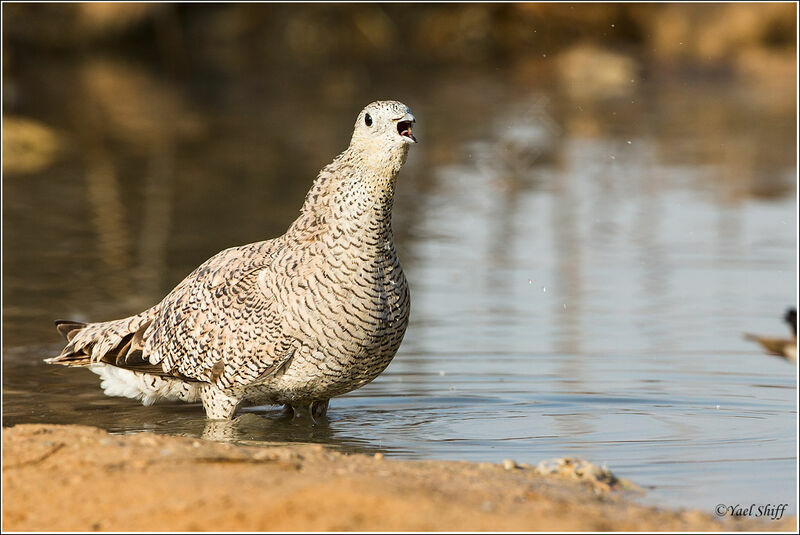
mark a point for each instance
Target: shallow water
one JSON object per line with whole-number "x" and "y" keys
{"x": 581, "y": 272}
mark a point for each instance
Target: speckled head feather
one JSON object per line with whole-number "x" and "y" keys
{"x": 382, "y": 134}
{"x": 387, "y": 122}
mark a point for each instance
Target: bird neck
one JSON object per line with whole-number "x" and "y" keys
{"x": 355, "y": 193}
{"x": 373, "y": 159}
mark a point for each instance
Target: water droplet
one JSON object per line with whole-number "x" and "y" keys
{"x": 565, "y": 306}
{"x": 629, "y": 142}
{"x": 544, "y": 289}
{"x": 717, "y": 407}
{"x": 530, "y": 281}
{"x": 612, "y": 156}
{"x": 612, "y": 25}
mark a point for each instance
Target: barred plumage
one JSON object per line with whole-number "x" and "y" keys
{"x": 296, "y": 320}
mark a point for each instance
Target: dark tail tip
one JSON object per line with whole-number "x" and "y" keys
{"x": 791, "y": 318}
{"x": 69, "y": 329}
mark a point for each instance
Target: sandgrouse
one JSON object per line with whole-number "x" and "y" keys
{"x": 296, "y": 320}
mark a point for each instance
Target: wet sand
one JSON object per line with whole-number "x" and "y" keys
{"x": 76, "y": 478}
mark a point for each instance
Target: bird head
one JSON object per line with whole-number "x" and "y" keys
{"x": 384, "y": 129}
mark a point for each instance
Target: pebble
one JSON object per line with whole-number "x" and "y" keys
{"x": 509, "y": 464}
{"x": 378, "y": 456}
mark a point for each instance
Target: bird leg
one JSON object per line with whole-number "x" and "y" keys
{"x": 314, "y": 410}
{"x": 218, "y": 404}
{"x": 319, "y": 409}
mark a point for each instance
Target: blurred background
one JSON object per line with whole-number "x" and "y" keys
{"x": 602, "y": 201}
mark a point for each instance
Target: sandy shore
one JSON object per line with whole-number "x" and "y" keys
{"x": 82, "y": 479}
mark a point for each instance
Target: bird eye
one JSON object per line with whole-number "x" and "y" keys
{"x": 368, "y": 120}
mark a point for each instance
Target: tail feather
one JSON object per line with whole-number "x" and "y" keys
{"x": 118, "y": 343}
{"x": 94, "y": 342}
{"x": 69, "y": 329}
{"x": 122, "y": 352}
{"x": 71, "y": 359}
{"x": 114, "y": 351}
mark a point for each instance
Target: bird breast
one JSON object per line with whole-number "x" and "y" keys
{"x": 347, "y": 294}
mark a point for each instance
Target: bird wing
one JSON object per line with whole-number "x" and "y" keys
{"x": 220, "y": 325}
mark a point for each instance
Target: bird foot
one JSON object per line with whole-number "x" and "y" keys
{"x": 314, "y": 411}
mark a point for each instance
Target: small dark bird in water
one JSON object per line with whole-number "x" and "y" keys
{"x": 295, "y": 320}
{"x": 781, "y": 347}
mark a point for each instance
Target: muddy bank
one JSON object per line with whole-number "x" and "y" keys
{"x": 81, "y": 478}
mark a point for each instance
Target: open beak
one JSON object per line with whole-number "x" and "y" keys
{"x": 404, "y": 127}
